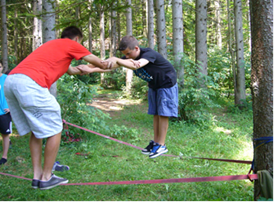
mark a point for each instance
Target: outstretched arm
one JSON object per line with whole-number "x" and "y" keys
{"x": 73, "y": 70}
{"x": 97, "y": 62}
{"x": 127, "y": 63}
{"x": 87, "y": 69}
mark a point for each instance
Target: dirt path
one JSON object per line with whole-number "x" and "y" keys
{"x": 111, "y": 105}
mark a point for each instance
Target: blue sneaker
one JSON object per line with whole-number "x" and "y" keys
{"x": 157, "y": 150}
{"x": 58, "y": 167}
{"x": 148, "y": 149}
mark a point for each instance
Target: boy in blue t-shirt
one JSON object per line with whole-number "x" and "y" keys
{"x": 161, "y": 76}
{"x": 5, "y": 118}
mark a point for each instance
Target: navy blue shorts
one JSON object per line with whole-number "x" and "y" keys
{"x": 5, "y": 124}
{"x": 163, "y": 101}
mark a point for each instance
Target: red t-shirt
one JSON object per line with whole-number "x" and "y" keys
{"x": 50, "y": 61}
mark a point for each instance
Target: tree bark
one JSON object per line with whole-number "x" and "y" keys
{"x": 48, "y": 31}
{"x": 240, "y": 95}
{"x": 102, "y": 38}
{"x": 262, "y": 83}
{"x": 129, "y": 72}
{"x": 201, "y": 36}
{"x": 37, "y": 24}
{"x": 150, "y": 19}
{"x": 90, "y": 28}
{"x": 178, "y": 39}
{"x": 218, "y": 23}
{"x": 4, "y": 36}
{"x": 161, "y": 28}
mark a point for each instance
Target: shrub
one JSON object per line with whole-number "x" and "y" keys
{"x": 73, "y": 96}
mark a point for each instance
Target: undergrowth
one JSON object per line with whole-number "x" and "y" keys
{"x": 98, "y": 159}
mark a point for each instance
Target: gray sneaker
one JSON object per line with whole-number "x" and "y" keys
{"x": 35, "y": 183}
{"x": 52, "y": 182}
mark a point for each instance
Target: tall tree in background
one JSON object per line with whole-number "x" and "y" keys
{"x": 178, "y": 38}
{"x": 129, "y": 72}
{"x": 37, "y": 24}
{"x": 15, "y": 36}
{"x": 4, "y": 36}
{"x": 201, "y": 36}
{"x": 48, "y": 30}
{"x": 150, "y": 24}
{"x": 161, "y": 27}
{"x": 113, "y": 27}
{"x": 240, "y": 95}
{"x": 262, "y": 84}
{"x": 230, "y": 42}
{"x": 90, "y": 26}
{"x": 102, "y": 37}
{"x": 218, "y": 23}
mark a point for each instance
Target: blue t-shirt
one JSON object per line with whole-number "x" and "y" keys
{"x": 159, "y": 72}
{"x": 3, "y": 102}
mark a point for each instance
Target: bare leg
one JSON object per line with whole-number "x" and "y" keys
{"x": 160, "y": 124}
{"x": 36, "y": 156}
{"x": 156, "y": 127}
{"x": 51, "y": 150}
{"x": 6, "y": 144}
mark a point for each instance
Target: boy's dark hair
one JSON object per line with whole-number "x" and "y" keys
{"x": 128, "y": 42}
{"x": 71, "y": 32}
{"x": 1, "y": 62}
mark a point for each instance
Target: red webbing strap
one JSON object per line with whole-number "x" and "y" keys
{"x": 170, "y": 155}
{"x": 175, "y": 180}
{"x": 15, "y": 176}
{"x": 102, "y": 135}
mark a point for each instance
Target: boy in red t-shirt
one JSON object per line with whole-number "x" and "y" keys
{"x": 34, "y": 109}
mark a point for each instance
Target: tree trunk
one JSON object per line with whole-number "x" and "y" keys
{"x": 48, "y": 31}
{"x": 201, "y": 36}
{"x": 178, "y": 39}
{"x": 37, "y": 24}
{"x": 218, "y": 23}
{"x": 113, "y": 32}
{"x": 161, "y": 28}
{"x": 102, "y": 38}
{"x": 4, "y": 36}
{"x": 90, "y": 28}
{"x": 15, "y": 36}
{"x": 231, "y": 50}
{"x": 129, "y": 72}
{"x": 150, "y": 19}
{"x": 262, "y": 83}
{"x": 240, "y": 95}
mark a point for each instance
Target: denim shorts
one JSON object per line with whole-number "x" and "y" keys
{"x": 32, "y": 107}
{"x": 163, "y": 101}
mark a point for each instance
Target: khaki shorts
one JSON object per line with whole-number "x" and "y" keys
{"x": 32, "y": 107}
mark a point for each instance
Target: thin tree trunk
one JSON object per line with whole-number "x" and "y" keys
{"x": 218, "y": 23}
{"x": 37, "y": 24}
{"x": 4, "y": 36}
{"x": 90, "y": 28}
{"x": 201, "y": 36}
{"x": 150, "y": 19}
{"x": 129, "y": 72}
{"x": 161, "y": 28}
{"x": 240, "y": 82}
{"x": 15, "y": 36}
{"x": 178, "y": 38}
{"x": 102, "y": 38}
{"x": 48, "y": 31}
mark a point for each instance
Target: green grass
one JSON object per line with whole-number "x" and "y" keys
{"x": 229, "y": 137}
